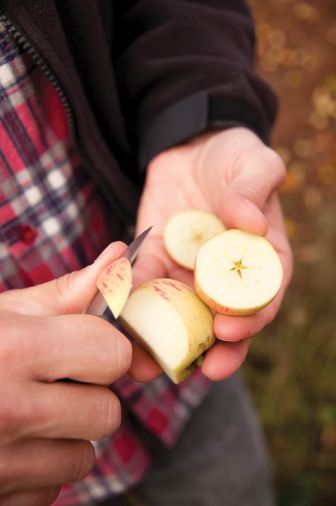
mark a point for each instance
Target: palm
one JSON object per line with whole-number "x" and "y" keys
{"x": 175, "y": 175}
{"x": 233, "y": 175}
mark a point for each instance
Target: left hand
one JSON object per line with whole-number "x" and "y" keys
{"x": 234, "y": 175}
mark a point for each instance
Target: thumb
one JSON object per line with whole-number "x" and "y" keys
{"x": 69, "y": 294}
{"x": 243, "y": 200}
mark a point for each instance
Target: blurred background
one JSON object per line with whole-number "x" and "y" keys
{"x": 291, "y": 367}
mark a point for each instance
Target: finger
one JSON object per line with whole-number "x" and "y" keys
{"x": 80, "y": 347}
{"x": 64, "y": 410}
{"x": 237, "y": 328}
{"x": 144, "y": 368}
{"x": 223, "y": 359}
{"x": 259, "y": 174}
{"x": 68, "y": 294}
{"x": 39, "y": 497}
{"x": 44, "y": 463}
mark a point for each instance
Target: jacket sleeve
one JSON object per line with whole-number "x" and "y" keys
{"x": 185, "y": 66}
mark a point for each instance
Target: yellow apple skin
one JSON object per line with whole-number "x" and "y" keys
{"x": 195, "y": 317}
{"x": 115, "y": 283}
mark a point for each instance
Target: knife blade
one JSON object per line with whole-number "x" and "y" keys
{"x": 98, "y": 305}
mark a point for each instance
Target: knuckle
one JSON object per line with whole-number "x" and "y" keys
{"x": 85, "y": 459}
{"x": 7, "y": 351}
{"x": 277, "y": 165}
{"x": 115, "y": 354}
{"x": 59, "y": 290}
{"x": 109, "y": 417}
{"x": 62, "y": 285}
{"x": 254, "y": 192}
{"x": 13, "y": 340}
{"x": 122, "y": 356}
{"x": 20, "y": 340}
{"x": 9, "y": 421}
{"x": 5, "y": 475}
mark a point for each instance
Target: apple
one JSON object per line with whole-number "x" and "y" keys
{"x": 168, "y": 319}
{"x": 115, "y": 283}
{"x": 237, "y": 273}
{"x": 186, "y": 231}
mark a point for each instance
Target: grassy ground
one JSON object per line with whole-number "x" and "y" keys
{"x": 291, "y": 367}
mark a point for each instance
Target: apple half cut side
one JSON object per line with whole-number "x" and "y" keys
{"x": 115, "y": 283}
{"x": 168, "y": 319}
{"x": 237, "y": 273}
{"x": 185, "y": 232}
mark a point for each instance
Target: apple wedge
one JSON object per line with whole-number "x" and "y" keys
{"x": 168, "y": 319}
{"x": 185, "y": 232}
{"x": 115, "y": 283}
{"x": 237, "y": 273}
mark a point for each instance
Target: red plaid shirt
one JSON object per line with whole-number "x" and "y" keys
{"x": 52, "y": 221}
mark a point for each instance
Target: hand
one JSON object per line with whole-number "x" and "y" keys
{"x": 45, "y": 423}
{"x": 234, "y": 175}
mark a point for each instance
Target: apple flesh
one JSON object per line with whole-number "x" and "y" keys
{"x": 115, "y": 283}
{"x": 168, "y": 319}
{"x": 237, "y": 273}
{"x": 185, "y": 232}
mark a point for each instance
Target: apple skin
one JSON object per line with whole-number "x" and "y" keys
{"x": 195, "y": 317}
{"x": 115, "y": 283}
{"x": 224, "y": 310}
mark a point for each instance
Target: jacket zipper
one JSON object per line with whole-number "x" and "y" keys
{"x": 41, "y": 63}
{"x": 52, "y": 78}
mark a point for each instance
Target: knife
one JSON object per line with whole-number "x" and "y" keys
{"x": 98, "y": 305}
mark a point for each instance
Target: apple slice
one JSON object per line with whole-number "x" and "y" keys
{"x": 185, "y": 232}
{"x": 115, "y": 283}
{"x": 237, "y": 273}
{"x": 168, "y": 319}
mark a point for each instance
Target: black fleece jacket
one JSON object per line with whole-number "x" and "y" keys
{"x": 138, "y": 76}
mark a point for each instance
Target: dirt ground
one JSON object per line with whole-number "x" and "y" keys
{"x": 291, "y": 368}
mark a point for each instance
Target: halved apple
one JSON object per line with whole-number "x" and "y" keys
{"x": 186, "y": 231}
{"x": 115, "y": 283}
{"x": 237, "y": 273}
{"x": 168, "y": 319}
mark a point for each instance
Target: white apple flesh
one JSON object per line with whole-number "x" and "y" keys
{"x": 237, "y": 273}
{"x": 185, "y": 233}
{"x": 115, "y": 283}
{"x": 168, "y": 319}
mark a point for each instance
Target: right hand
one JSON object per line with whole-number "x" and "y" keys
{"x": 45, "y": 424}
